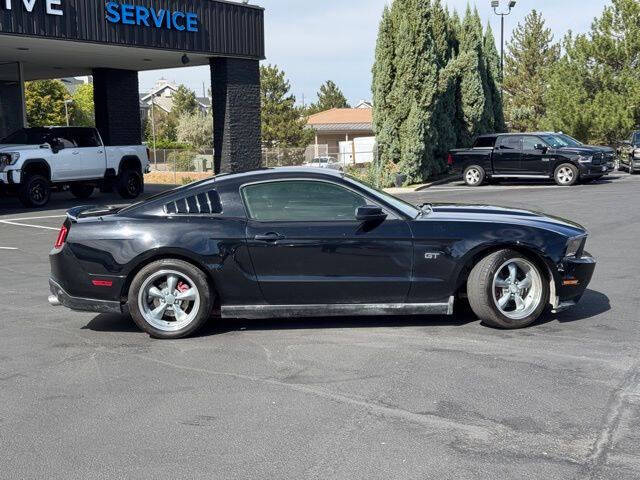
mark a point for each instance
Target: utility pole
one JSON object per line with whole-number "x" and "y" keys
{"x": 495, "y": 4}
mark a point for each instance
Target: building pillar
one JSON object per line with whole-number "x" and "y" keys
{"x": 117, "y": 106}
{"x": 12, "y": 106}
{"x": 235, "y": 88}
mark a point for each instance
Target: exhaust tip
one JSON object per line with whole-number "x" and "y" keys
{"x": 53, "y": 301}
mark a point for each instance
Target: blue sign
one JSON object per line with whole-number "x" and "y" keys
{"x": 140, "y": 15}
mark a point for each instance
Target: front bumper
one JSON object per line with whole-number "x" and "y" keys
{"x": 574, "y": 277}
{"x": 60, "y": 297}
{"x": 587, "y": 170}
{"x": 10, "y": 177}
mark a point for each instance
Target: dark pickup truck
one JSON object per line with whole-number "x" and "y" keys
{"x": 629, "y": 153}
{"x": 531, "y": 155}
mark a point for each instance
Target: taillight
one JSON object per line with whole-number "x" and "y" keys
{"x": 62, "y": 237}
{"x": 450, "y": 159}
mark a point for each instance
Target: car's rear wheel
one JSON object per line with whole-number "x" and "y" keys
{"x": 474, "y": 175}
{"x": 170, "y": 299}
{"x": 35, "y": 191}
{"x": 507, "y": 290}
{"x": 130, "y": 184}
{"x": 81, "y": 191}
{"x": 566, "y": 175}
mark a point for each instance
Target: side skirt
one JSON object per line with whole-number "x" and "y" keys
{"x": 336, "y": 310}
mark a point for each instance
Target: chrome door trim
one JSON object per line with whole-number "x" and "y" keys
{"x": 336, "y": 310}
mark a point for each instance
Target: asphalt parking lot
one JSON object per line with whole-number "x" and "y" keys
{"x": 89, "y": 396}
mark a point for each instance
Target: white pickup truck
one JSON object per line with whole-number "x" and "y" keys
{"x": 36, "y": 161}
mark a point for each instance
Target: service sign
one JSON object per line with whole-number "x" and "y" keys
{"x": 209, "y": 27}
{"x": 142, "y": 16}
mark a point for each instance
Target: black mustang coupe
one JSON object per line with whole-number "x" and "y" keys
{"x": 296, "y": 242}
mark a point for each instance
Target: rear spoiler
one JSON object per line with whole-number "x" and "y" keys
{"x": 88, "y": 211}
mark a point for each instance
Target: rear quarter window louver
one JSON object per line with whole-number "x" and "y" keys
{"x": 203, "y": 203}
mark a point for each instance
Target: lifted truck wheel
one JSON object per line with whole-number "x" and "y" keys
{"x": 35, "y": 191}
{"x": 130, "y": 184}
{"x": 81, "y": 190}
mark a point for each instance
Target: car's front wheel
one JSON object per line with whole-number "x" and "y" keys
{"x": 170, "y": 299}
{"x": 35, "y": 191}
{"x": 507, "y": 290}
{"x": 566, "y": 175}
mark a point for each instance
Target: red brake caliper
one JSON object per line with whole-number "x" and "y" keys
{"x": 182, "y": 287}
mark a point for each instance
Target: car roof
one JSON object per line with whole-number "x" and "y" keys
{"x": 275, "y": 172}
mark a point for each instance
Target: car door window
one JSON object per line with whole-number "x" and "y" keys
{"x": 511, "y": 143}
{"x": 300, "y": 200}
{"x": 529, "y": 143}
{"x": 65, "y": 140}
{"x": 85, "y": 138}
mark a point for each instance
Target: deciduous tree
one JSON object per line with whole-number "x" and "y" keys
{"x": 45, "y": 103}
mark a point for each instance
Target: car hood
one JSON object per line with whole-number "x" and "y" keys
{"x": 17, "y": 147}
{"x": 579, "y": 150}
{"x": 496, "y": 214}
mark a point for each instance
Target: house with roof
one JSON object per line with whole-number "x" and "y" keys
{"x": 337, "y": 125}
{"x": 162, "y": 97}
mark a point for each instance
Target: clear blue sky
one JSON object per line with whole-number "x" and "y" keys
{"x": 318, "y": 40}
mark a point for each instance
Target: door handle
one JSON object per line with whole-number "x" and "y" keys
{"x": 75, "y": 152}
{"x": 269, "y": 237}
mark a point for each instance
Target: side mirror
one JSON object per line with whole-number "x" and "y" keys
{"x": 541, "y": 147}
{"x": 370, "y": 213}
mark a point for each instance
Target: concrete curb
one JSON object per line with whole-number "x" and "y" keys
{"x": 437, "y": 182}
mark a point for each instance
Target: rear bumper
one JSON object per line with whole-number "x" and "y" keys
{"x": 60, "y": 297}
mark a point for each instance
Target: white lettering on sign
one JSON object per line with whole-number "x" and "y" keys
{"x": 28, "y": 4}
{"x": 52, "y": 7}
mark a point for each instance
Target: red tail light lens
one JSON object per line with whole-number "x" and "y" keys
{"x": 62, "y": 237}
{"x": 450, "y": 159}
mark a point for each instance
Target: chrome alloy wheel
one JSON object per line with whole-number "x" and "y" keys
{"x": 472, "y": 176}
{"x": 565, "y": 175}
{"x": 169, "y": 300}
{"x": 517, "y": 288}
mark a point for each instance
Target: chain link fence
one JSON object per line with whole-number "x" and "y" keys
{"x": 180, "y": 166}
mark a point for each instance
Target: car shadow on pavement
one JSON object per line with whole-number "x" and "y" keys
{"x": 593, "y": 303}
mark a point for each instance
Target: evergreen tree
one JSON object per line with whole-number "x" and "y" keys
{"x": 44, "y": 101}
{"x": 385, "y": 119}
{"x": 283, "y": 125}
{"x": 476, "y": 108}
{"x": 184, "y": 102}
{"x": 493, "y": 79}
{"x": 601, "y": 84}
{"x": 330, "y": 96}
{"x": 530, "y": 55}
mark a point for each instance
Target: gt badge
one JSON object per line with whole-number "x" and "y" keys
{"x": 431, "y": 256}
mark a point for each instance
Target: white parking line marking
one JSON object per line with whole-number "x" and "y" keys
{"x": 8, "y": 222}
{"x": 8, "y": 248}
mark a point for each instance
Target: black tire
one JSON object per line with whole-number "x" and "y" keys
{"x": 35, "y": 191}
{"x": 480, "y": 290}
{"x": 199, "y": 280}
{"x": 474, "y": 175}
{"x": 130, "y": 184}
{"x": 565, "y": 179}
{"x": 81, "y": 190}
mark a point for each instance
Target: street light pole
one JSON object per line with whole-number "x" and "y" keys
{"x": 66, "y": 110}
{"x": 153, "y": 127}
{"x": 495, "y": 4}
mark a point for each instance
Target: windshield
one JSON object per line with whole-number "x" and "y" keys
{"x": 395, "y": 202}
{"x": 572, "y": 141}
{"x": 27, "y": 136}
{"x": 555, "y": 141}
